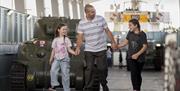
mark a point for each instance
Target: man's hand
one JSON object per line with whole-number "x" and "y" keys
{"x": 114, "y": 46}
{"x": 77, "y": 51}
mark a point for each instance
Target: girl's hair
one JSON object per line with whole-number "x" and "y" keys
{"x": 59, "y": 27}
{"x": 135, "y": 22}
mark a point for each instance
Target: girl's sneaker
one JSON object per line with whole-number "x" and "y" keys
{"x": 52, "y": 89}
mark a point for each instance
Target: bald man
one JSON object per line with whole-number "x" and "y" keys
{"x": 93, "y": 29}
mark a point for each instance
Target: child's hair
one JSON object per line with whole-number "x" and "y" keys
{"x": 59, "y": 27}
{"x": 135, "y": 22}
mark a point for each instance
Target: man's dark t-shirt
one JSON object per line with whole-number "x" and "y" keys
{"x": 135, "y": 43}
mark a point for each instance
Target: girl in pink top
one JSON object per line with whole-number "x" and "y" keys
{"x": 59, "y": 58}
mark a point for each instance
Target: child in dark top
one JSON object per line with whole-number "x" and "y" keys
{"x": 137, "y": 45}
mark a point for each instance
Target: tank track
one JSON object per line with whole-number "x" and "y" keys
{"x": 18, "y": 77}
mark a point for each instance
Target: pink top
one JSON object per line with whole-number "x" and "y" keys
{"x": 60, "y": 46}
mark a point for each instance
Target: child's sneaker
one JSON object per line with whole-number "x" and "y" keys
{"x": 52, "y": 89}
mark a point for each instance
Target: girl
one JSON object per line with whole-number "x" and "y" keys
{"x": 59, "y": 58}
{"x": 137, "y": 45}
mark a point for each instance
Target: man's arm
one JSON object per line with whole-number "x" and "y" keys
{"x": 110, "y": 35}
{"x": 79, "y": 43}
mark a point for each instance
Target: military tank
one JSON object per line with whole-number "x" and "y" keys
{"x": 155, "y": 51}
{"x": 31, "y": 70}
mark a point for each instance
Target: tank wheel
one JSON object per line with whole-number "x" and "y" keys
{"x": 18, "y": 77}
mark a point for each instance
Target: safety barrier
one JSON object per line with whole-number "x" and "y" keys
{"x": 8, "y": 49}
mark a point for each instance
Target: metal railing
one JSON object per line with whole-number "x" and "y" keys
{"x": 8, "y": 48}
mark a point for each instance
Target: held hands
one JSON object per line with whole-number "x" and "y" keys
{"x": 114, "y": 46}
{"x": 77, "y": 51}
{"x": 74, "y": 53}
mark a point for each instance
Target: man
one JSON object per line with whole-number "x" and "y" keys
{"x": 93, "y": 29}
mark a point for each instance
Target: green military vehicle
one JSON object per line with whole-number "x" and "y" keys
{"x": 31, "y": 70}
{"x": 155, "y": 51}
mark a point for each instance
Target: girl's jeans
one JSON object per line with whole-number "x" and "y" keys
{"x": 64, "y": 65}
